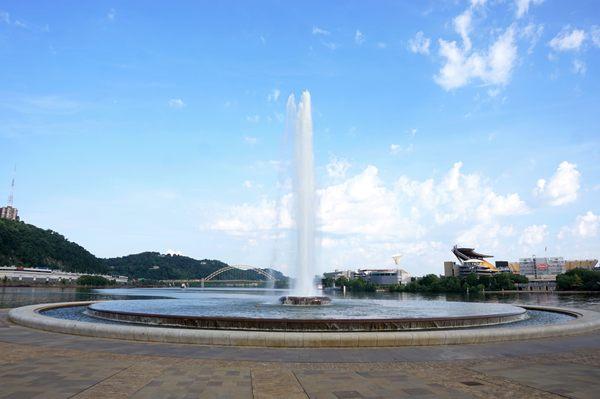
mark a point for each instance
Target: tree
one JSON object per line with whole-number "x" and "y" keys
{"x": 95, "y": 281}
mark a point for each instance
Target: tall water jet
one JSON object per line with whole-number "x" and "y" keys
{"x": 299, "y": 124}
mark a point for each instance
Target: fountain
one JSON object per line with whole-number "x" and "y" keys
{"x": 256, "y": 318}
{"x": 299, "y": 125}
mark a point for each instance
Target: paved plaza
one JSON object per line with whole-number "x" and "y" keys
{"x": 37, "y": 364}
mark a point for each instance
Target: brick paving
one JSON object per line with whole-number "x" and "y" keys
{"x": 37, "y": 364}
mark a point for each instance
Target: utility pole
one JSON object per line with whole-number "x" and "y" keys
{"x": 534, "y": 267}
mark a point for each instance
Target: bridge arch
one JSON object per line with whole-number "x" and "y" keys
{"x": 224, "y": 269}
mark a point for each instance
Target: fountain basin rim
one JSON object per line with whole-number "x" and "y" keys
{"x": 341, "y": 320}
{"x": 30, "y": 316}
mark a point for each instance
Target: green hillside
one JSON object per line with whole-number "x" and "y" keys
{"x": 156, "y": 266}
{"x": 23, "y": 244}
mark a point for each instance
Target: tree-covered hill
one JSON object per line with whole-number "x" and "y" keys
{"x": 156, "y": 266}
{"x": 23, "y": 244}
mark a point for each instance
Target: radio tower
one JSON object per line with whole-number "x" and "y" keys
{"x": 11, "y": 195}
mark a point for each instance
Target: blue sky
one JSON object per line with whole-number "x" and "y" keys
{"x": 158, "y": 126}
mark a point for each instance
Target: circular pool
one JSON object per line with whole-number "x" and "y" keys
{"x": 260, "y": 313}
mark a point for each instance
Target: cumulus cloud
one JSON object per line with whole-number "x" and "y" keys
{"x": 585, "y": 226}
{"x": 568, "y": 40}
{"x": 176, "y": 103}
{"x": 359, "y": 37}
{"x": 419, "y": 44}
{"x": 459, "y": 196}
{"x": 523, "y": 6}
{"x": 250, "y": 139}
{"x": 533, "y": 235}
{"x": 363, "y": 219}
{"x": 563, "y": 186}
{"x": 493, "y": 67}
{"x": 319, "y": 31}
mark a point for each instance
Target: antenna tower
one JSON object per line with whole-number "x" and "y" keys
{"x": 12, "y": 188}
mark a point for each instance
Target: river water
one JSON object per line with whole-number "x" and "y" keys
{"x": 21, "y": 296}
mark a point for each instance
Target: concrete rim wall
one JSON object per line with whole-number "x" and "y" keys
{"x": 29, "y": 316}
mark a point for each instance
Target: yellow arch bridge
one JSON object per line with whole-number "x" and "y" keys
{"x": 233, "y": 274}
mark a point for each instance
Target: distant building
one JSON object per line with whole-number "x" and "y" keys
{"x": 375, "y": 276}
{"x": 588, "y": 264}
{"x": 451, "y": 269}
{"x": 385, "y": 276}
{"x": 471, "y": 262}
{"x": 515, "y": 267}
{"x": 349, "y": 274}
{"x": 541, "y": 268}
{"x": 503, "y": 266}
{"x": 34, "y": 274}
{"x": 9, "y": 212}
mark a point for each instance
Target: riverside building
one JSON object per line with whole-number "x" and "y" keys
{"x": 40, "y": 275}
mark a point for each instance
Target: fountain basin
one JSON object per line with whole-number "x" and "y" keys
{"x": 338, "y": 316}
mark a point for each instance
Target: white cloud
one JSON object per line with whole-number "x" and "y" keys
{"x": 585, "y": 226}
{"x": 579, "y": 67}
{"x": 413, "y": 132}
{"x": 396, "y": 149}
{"x": 458, "y": 196}
{"x": 111, "y": 14}
{"x": 488, "y": 236}
{"x": 248, "y": 184}
{"x": 273, "y": 96}
{"x": 533, "y": 235}
{"x": 477, "y": 3}
{"x": 533, "y": 33}
{"x": 381, "y": 45}
{"x": 318, "y": 31}
{"x": 359, "y": 37}
{"x": 462, "y": 26}
{"x": 523, "y": 6}
{"x": 253, "y": 118}
{"x": 568, "y": 39}
{"x": 563, "y": 186}
{"x": 250, "y": 139}
{"x": 176, "y": 103}
{"x": 337, "y": 168}
{"x": 492, "y": 68}
{"x": 419, "y": 44}
{"x": 362, "y": 220}
{"x": 595, "y": 34}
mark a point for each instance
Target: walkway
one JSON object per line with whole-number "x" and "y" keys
{"x": 37, "y": 364}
